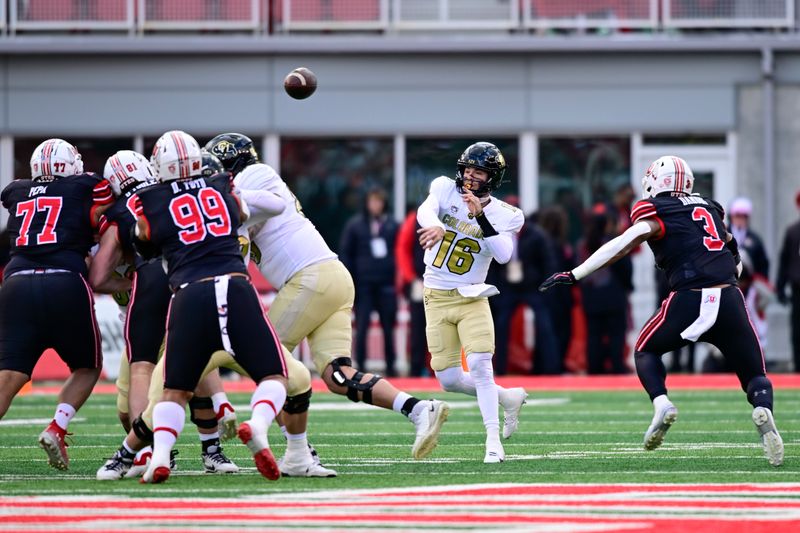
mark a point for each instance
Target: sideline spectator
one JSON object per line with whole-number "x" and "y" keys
{"x": 789, "y": 273}
{"x": 739, "y": 215}
{"x": 518, "y": 281}
{"x": 555, "y": 223}
{"x": 410, "y": 259}
{"x": 605, "y": 299}
{"x": 367, "y": 241}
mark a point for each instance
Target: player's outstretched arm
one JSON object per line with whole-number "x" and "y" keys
{"x": 261, "y": 204}
{"x": 609, "y": 253}
{"x": 432, "y": 229}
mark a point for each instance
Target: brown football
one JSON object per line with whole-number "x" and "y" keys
{"x": 300, "y": 83}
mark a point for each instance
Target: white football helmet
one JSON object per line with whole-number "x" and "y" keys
{"x": 176, "y": 155}
{"x": 55, "y": 157}
{"x": 127, "y": 168}
{"x": 667, "y": 174}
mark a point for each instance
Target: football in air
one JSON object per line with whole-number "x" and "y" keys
{"x": 300, "y": 83}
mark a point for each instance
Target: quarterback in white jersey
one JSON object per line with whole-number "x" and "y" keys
{"x": 463, "y": 229}
{"x": 314, "y": 302}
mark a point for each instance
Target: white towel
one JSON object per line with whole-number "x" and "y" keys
{"x": 478, "y": 290}
{"x": 221, "y": 294}
{"x": 709, "y": 308}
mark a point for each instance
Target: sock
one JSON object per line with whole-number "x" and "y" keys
{"x": 218, "y": 399}
{"x": 759, "y": 392}
{"x": 404, "y": 403}
{"x": 652, "y": 373}
{"x": 266, "y": 402}
{"x": 482, "y": 373}
{"x": 64, "y": 413}
{"x": 454, "y": 379}
{"x": 168, "y": 420}
{"x": 209, "y": 440}
{"x": 285, "y": 432}
{"x": 128, "y": 450}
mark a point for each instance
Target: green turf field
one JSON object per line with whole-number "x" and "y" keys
{"x": 570, "y": 437}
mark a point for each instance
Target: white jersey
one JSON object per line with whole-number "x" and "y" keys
{"x": 286, "y": 243}
{"x": 463, "y": 256}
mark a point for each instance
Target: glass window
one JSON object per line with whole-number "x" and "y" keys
{"x": 94, "y": 152}
{"x": 577, "y": 173}
{"x": 331, "y": 176}
{"x": 427, "y": 159}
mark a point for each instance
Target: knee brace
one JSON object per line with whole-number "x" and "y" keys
{"x": 353, "y": 384}
{"x": 759, "y": 392}
{"x": 452, "y": 380}
{"x": 141, "y": 430}
{"x": 202, "y": 402}
{"x": 480, "y": 366}
{"x": 298, "y": 404}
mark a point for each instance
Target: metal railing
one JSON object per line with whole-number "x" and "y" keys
{"x": 728, "y": 14}
{"x": 199, "y": 15}
{"x": 455, "y": 14}
{"x": 590, "y": 14}
{"x": 67, "y": 15}
{"x": 319, "y": 15}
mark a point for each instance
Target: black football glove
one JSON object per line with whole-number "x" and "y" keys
{"x": 559, "y": 278}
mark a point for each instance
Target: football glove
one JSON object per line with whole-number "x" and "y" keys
{"x": 559, "y": 278}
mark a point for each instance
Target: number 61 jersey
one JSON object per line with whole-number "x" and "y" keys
{"x": 691, "y": 248}
{"x": 462, "y": 257}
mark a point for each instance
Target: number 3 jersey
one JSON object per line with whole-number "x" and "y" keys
{"x": 51, "y": 224}
{"x": 462, "y": 257}
{"x": 691, "y": 248}
{"x": 194, "y": 223}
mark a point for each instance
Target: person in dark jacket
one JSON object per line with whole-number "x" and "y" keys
{"x": 518, "y": 282}
{"x": 605, "y": 299}
{"x": 739, "y": 213}
{"x": 789, "y": 273}
{"x": 367, "y": 247}
{"x": 410, "y": 258}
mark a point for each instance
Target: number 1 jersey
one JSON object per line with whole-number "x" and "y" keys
{"x": 462, "y": 258}
{"x": 691, "y": 248}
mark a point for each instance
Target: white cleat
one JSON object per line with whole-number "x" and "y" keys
{"x": 663, "y": 419}
{"x": 307, "y": 469}
{"x": 429, "y": 423}
{"x": 156, "y": 473}
{"x": 140, "y": 463}
{"x": 515, "y": 401}
{"x": 115, "y": 468}
{"x": 494, "y": 452}
{"x": 226, "y": 420}
{"x": 770, "y": 438}
{"x": 217, "y": 462}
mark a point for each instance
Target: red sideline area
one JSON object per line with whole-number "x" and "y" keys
{"x": 531, "y": 383}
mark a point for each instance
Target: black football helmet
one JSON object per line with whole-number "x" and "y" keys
{"x": 236, "y": 151}
{"x": 211, "y": 164}
{"x": 484, "y": 156}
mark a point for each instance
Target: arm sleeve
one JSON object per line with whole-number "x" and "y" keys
{"x": 428, "y": 212}
{"x": 609, "y": 250}
{"x": 501, "y": 245}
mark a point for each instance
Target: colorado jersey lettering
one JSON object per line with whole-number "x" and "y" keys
{"x": 461, "y": 258}
{"x": 691, "y": 248}
{"x": 194, "y": 223}
{"x": 51, "y": 224}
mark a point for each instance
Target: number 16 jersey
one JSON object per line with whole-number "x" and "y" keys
{"x": 462, "y": 257}
{"x": 691, "y": 247}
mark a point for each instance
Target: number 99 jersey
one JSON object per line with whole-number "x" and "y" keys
{"x": 462, "y": 258}
{"x": 691, "y": 247}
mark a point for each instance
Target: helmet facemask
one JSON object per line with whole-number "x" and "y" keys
{"x": 483, "y": 156}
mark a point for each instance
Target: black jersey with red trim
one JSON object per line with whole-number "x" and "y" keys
{"x": 122, "y": 215}
{"x": 51, "y": 224}
{"x": 691, "y": 247}
{"x": 194, "y": 223}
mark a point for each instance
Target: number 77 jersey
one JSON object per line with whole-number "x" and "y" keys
{"x": 691, "y": 246}
{"x": 462, "y": 257}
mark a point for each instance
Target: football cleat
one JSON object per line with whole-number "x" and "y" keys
{"x": 217, "y": 462}
{"x": 226, "y": 418}
{"x": 770, "y": 438}
{"x": 429, "y": 423}
{"x": 258, "y": 446}
{"x": 52, "y": 442}
{"x": 494, "y": 451}
{"x": 516, "y": 399}
{"x": 663, "y": 419}
{"x": 156, "y": 474}
{"x": 115, "y": 468}
{"x": 140, "y": 463}
{"x": 312, "y": 468}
